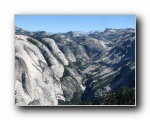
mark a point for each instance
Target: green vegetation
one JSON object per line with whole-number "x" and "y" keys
{"x": 32, "y": 41}
{"x": 94, "y": 77}
{"x": 96, "y": 70}
{"x": 44, "y": 52}
{"x": 101, "y": 83}
{"x": 76, "y": 98}
{"x": 85, "y": 103}
{"x": 39, "y": 40}
{"x": 80, "y": 66}
{"x": 78, "y": 63}
{"x": 65, "y": 74}
{"x": 74, "y": 101}
{"x": 56, "y": 38}
{"x": 121, "y": 96}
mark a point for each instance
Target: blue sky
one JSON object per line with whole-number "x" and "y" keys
{"x": 65, "y": 23}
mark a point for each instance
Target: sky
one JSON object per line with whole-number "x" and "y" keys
{"x": 65, "y": 23}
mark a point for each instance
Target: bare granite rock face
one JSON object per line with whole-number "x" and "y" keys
{"x": 38, "y": 71}
{"x": 72, "y": 68}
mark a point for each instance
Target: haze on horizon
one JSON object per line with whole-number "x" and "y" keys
{"x": 66, "y": 23}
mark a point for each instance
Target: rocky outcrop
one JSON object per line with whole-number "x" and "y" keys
{"x": 55, "y": 50}
{"x": 38, "y": 71}
{"x": 69, "y": 68}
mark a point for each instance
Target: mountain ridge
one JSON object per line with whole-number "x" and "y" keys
{"x": 72, "y": 68}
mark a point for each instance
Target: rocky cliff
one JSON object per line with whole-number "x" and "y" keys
{"x": 74, "y": 67}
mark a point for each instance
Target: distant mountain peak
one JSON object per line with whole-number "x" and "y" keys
{"x": 75, "y": 68}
